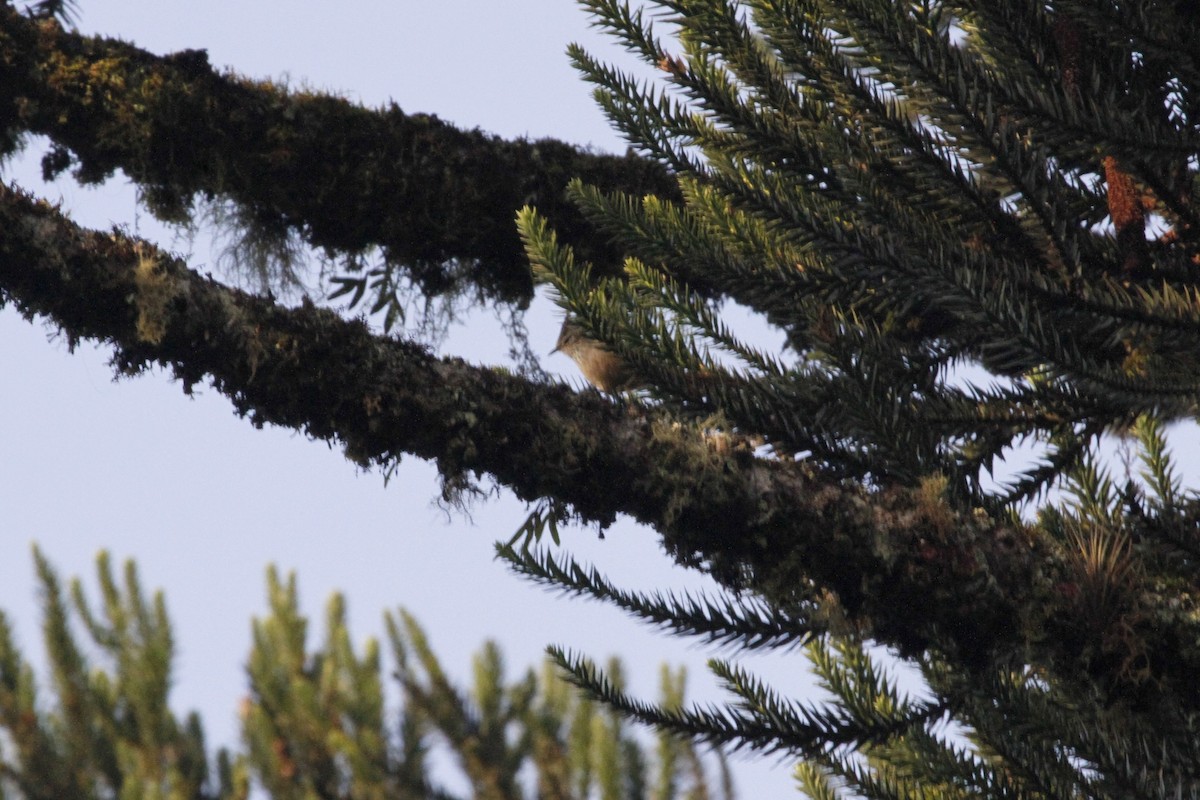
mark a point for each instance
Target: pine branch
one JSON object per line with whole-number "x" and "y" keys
{"x": 745, "y": 623}
{"x": 762, "y": 721}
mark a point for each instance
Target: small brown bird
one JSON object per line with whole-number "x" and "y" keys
{"x": 603, "y": 368}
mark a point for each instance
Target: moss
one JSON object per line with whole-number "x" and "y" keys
{"x": 155, "y": 291}
{"x": 299, "y": 162}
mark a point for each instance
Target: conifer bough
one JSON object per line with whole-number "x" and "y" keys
{"x": 916, "y": 194}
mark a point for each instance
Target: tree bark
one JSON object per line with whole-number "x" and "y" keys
{"x": 900, "y": 563}
{"x": 437, "y": 202}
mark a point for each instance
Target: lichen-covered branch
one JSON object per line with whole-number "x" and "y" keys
{"x": 898, "y": 564}
{"x": 772, "y": 525}
{"x": 437, "y": 201}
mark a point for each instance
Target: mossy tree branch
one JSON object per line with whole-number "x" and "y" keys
{"x": 437, "y": 201}
{"x": 881, "y": 555}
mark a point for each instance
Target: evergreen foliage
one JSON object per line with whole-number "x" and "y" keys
{"x": 918, "y": 194}
{"x": 906, "y": 190}
{"x": 977, "y": 224}
{"x": 315, "y": 722}
{"x": 107, "y": 731}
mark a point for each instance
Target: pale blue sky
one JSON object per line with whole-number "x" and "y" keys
{"x": 204, "y": 502}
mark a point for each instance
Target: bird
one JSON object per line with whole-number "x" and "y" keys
{"x": 602, "y": 368}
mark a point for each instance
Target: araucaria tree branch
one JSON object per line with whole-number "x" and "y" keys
{"x": 716, "y": 506}
{"x": 435, "y": 201}
{"x": 977, "y": 225}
